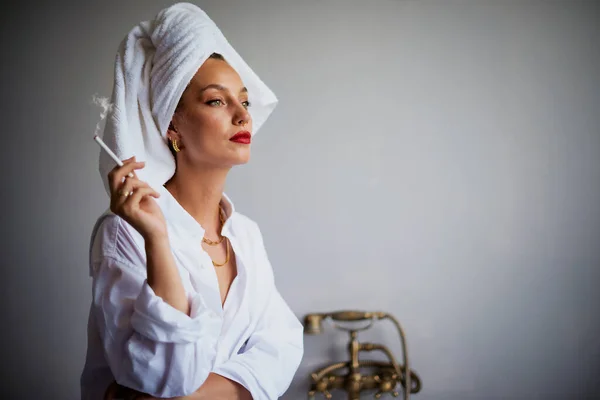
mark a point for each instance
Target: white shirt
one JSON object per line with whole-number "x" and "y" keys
{"x": 140, "y": 341}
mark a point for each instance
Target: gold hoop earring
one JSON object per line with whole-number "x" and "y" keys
{"x": 175, "y": 146}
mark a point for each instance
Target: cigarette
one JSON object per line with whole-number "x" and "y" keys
{"x": 110, "y": 153}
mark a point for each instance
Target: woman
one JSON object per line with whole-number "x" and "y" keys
{"x": 184, "y": 301}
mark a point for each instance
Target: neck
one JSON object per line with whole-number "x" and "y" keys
{"x": 199, "y": 192}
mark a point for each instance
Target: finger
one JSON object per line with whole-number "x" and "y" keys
{"x": 118, "y": 176}
{"x": 131, "y": 205}
{"x": 132, "y": 174}
{"x": 129, "y": 161}
{"x": 130, "y": 185}
{"x": 116, "y": 168}
{"x": 127, "y": 170}
{"x": 124, "y": 193}
{"x": 139, "y": 194}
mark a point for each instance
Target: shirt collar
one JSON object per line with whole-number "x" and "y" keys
{"x": 181, "y": 223}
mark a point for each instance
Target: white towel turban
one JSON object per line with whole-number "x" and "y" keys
{"x": 154, "y": 64}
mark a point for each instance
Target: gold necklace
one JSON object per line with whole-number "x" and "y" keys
{"x": 226, "y": 257}
{"x": 214, "y": 243}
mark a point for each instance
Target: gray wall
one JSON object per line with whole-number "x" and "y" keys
{"x": 439, "y": 160}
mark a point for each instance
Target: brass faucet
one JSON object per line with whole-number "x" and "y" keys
{"x": 384, "y": 376}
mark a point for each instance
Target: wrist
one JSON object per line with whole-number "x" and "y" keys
{"x": 217, "y": 387}
{"x": 156, "y": 240}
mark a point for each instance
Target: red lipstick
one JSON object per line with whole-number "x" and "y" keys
{"x": 243, "y": 137}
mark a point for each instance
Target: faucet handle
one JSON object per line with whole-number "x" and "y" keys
{"x": 311, "y": 394}
{"x": 321, "y": 386}
{"x": 380, "y": 393}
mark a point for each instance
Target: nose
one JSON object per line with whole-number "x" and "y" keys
{"x": 243, "y": 122}
{"x": 242, "y": 116}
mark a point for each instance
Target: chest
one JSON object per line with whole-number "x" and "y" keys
{"x": 240, "y": 283}
{"x": 225, "y": 277}
{"x": 225, "y": 268}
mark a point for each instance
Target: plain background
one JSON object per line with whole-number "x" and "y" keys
{"x": 439, "y": 160}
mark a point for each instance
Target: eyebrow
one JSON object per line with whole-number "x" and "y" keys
{"x": 221, "y": 87}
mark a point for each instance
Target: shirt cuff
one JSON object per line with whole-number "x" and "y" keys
{"x": 159, "y": 321}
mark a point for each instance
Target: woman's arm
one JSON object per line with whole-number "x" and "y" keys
{"x": 140, "y": 210}
{"x": 149, "y": 345}
{"x": 163, "y": 276}
{"x": 215, "y": 387}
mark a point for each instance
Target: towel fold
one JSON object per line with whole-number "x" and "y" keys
{"x": 154, "y": 64}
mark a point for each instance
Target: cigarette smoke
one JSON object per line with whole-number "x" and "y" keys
{"x": 107, "y": 107}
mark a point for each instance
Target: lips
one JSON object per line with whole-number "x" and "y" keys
{"x": 243, "y": 137}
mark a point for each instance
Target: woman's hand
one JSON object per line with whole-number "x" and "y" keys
{"x": 132, "y": 200}
{"x": 118, "y": 392}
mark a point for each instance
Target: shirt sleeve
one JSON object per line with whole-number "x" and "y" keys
{"x": 273, "y": 351}
{"x": 149, "y": 345}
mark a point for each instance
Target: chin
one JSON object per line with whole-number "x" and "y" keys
{"x": 232, "y": 157}
{"x": 232, "y": 162}
{"x": 243, "y": 161}
{"x": 241, "y": 157}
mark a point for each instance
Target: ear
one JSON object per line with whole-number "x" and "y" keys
{"x": 172, "y": 132}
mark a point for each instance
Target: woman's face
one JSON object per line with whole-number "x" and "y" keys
{"x": 213, "y": 109}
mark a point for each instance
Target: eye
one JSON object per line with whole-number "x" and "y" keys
{"x": 215, "y": 102}
{"x": 246, "y": 104}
